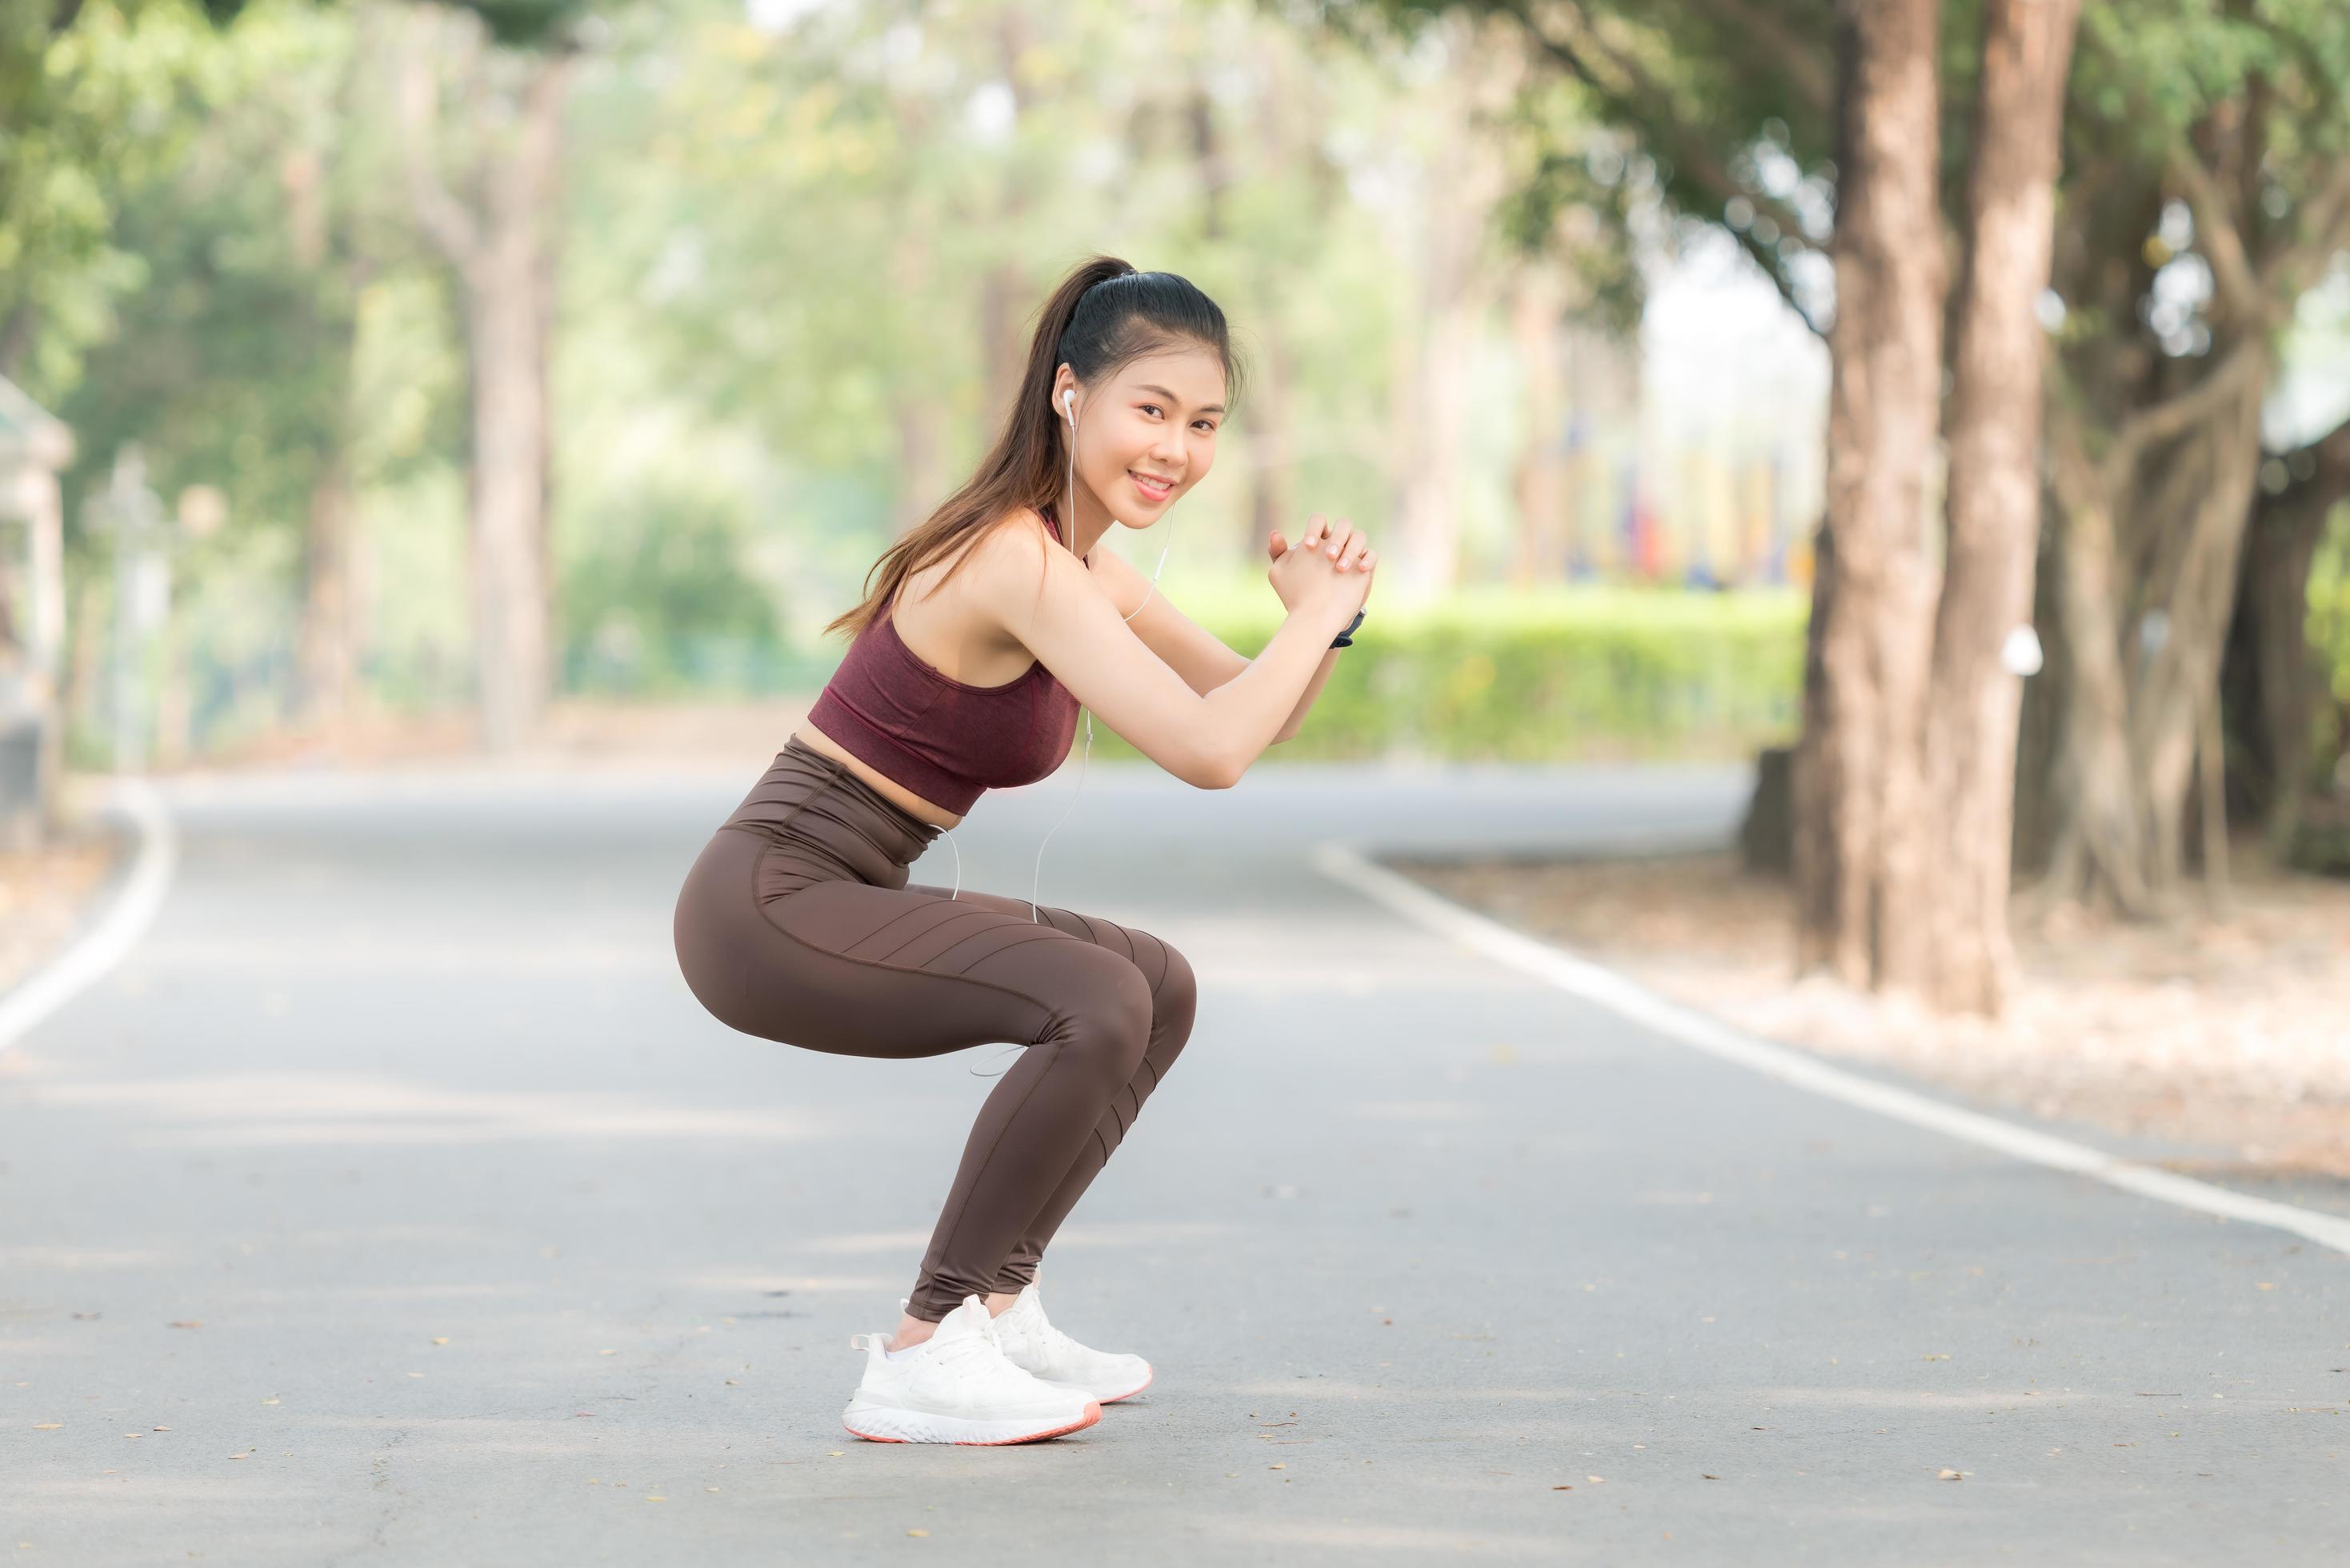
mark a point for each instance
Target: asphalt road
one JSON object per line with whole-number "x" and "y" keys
{"x": 392, "y": 1201}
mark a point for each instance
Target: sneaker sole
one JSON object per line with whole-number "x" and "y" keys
{"x": 1130, "y": 1393}
{"x": 883, "y": 1423}
{"x": 1102, "y": 1398}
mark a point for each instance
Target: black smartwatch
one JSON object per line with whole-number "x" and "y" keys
{"x": 1347, "y": 638}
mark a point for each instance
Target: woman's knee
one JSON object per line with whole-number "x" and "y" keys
{"x": 1108, "y": 1024}
{"x": 1174, "y": 1000}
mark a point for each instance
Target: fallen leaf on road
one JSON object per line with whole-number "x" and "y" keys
{"x": 1950, "y": 1475}
{"x": 189, "y": 1322}
{"x": 918, "y": 1532}
{"x": 48, "y": 1425}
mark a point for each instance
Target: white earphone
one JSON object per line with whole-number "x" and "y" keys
{"x": 1069, "y": 406}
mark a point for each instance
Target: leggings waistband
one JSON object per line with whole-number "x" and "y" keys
{"x": 814, "y": 800}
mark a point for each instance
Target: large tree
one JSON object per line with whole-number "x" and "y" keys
{"x": 1994, "y": 490}
{"x": 2202, "y": 189}
{"x": 501, "y": 248}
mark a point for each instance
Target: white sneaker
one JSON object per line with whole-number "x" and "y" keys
{"x": 1035, "y": 1346}
{"x": 957, "y": 1387}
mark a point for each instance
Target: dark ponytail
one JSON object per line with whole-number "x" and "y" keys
{"x": 1104, "y": 316}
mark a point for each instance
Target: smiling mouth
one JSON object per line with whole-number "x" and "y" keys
{"x": 1153, "y": 492}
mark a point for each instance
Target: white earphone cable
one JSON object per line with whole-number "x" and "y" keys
{"x": 1068, "y": 528}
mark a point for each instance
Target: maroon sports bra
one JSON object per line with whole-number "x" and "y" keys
{"x": 944, "y": 740}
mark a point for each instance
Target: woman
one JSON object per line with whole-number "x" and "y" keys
{"x": 993, "y": 621}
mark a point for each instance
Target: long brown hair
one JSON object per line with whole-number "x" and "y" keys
{"x": 1096, "y": 331}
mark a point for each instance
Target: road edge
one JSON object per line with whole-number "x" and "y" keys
{"x": 1348, "y": 862}
{"x": 50, "y": 985}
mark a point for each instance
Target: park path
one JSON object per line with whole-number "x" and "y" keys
{"x": 392, "y": 1201}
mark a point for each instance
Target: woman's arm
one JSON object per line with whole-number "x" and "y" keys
{"x": 1313, "y": 689}
{"x": 1203, "y": 660}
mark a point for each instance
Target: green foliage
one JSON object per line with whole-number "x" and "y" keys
{"x": 88, "y": 111}
{"x": 655, "y": 601}
{"x": 2329, "y": 634}
{"x": 1563, "y": 674}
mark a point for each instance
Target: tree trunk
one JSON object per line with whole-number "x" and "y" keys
{"x": 507, "y": 317}
{"x": 504, "y": 256}
{"x": 1272, "y": 455}
{"x": 1004, "y": 286}
{"x": 2273, "y": 678}
{"x": 2194, "y": 584}
{"x": 326, "y": 662}
{"x": 1861, "y": 838}
{"x": 1994, "y": 495}
{"x": 1536, "y": 305}
{"x": 2096, "y": 852}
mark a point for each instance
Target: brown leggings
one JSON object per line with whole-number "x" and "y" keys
{"x": 797, "y": 924}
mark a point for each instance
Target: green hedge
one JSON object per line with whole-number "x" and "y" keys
{"x": 1561, "y": 674}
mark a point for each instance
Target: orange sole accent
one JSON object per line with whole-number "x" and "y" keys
{"x": 1093, "y": 1414}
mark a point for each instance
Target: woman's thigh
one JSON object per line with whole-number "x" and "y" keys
{"x": 1158, "y": 962}
{"x": 848, "y": 967}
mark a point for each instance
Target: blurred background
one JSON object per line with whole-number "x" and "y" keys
{"x": 411, "y": 373}
{"x": 395, "y": 378}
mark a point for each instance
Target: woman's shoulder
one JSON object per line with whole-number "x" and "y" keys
{"x": 1010, "y": 539}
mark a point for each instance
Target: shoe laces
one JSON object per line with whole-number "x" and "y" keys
{"x": 979, "y": 1356}
{"x": 1048, "y": 1337}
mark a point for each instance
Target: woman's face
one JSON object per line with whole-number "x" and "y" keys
{"x": 1155, "y": 420}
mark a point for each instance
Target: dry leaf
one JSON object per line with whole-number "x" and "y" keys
{"x": 48, "y": 1425}
{"x": 1950, "y": 1475}
{"x": 191, "y": 1323}
{"x": 918, "y": 1532}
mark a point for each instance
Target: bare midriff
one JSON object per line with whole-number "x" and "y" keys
{"x": 890, "y": 789}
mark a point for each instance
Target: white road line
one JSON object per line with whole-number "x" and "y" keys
{"x": 1347, "y": 863}
{"x": 63, "y": 977}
